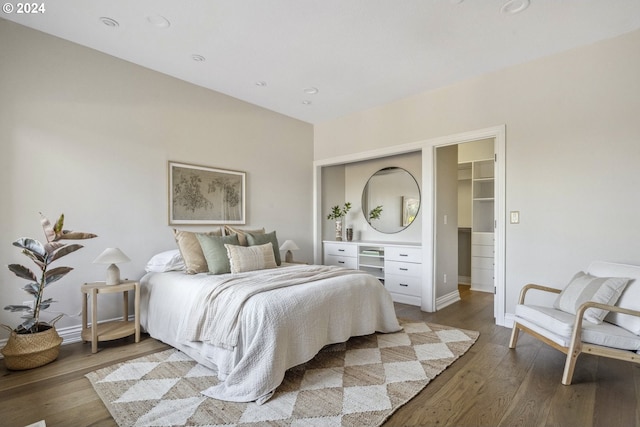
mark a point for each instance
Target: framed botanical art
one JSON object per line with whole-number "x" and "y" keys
{"x": 205, "y": 195}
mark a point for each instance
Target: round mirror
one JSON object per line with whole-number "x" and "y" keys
{"x": 391, "y": 200}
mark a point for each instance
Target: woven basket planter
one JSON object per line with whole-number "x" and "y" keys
{"x": 28, "y": 351}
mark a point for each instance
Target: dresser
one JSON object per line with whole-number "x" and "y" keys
{"x": 397, "y": 265}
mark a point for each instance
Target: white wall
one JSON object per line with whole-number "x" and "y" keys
{"x": 572, "y": 154}
{"x": 446, "y": 221}
{"x": 89, "y": 135}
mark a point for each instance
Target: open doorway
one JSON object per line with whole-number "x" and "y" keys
{"x": 464, "y": 219}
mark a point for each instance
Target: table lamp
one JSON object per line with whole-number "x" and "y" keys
{"x": 289, "y": 245}
{"x": 112, "y": 256}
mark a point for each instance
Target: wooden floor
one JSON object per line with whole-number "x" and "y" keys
{"x": 489, "y": 386}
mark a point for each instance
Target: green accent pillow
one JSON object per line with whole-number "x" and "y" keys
{"x": 215, "y": 253}
{"x": 261, "y": 239}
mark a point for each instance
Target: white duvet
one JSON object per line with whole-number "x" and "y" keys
{"x": 276, "y": 329}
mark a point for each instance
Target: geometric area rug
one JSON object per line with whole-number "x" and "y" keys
{"x": 357, "y": 383}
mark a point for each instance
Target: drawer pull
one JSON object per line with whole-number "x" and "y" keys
{"x": 403, "y": 284}
{"x": 340, "y": 262}
{"x": 403, "y": 269}
{"x": 404, "y": 254}
{"x": 340, "y": 250}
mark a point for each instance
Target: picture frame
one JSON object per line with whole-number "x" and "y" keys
{"x": 202, "y": 195}
{"x": 410, "y": 207}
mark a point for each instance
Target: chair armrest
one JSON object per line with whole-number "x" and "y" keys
{"x": 530, "y": 286}
{"x": 607, "y": 307}
{"x": 576, "y": 336}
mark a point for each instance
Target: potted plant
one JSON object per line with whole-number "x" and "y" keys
{"x": 34, "y": 343}
{"x": 337, "y": 214}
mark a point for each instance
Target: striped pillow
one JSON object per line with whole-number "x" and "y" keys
{"x": 250, "y": 258}
{"x": 585, "y": 287}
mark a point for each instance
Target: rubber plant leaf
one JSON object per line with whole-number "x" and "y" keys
{"x": 22, "y": 272}
{"x": 31, "y": 288}
{"x": 30, "y": 323}
{"x": 31, "y": 245}
{"x": 46, "y": 303}
{"x": 49, "y": 231}
{"x": 16, "y": 308}
{"x": 56, "y": 274}
{"x": 64, "y": 250}
{"x": 58, "y": 227}
{"x": 35, "y": 258}
{"x": 75, "y": 235}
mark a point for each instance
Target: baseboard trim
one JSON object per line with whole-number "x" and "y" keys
{"x": 447, "y": 299}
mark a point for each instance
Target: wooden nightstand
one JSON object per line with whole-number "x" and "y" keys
{"x": 115, "y": 329}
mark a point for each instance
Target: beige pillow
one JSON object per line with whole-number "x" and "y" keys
{"x": 191, "y": 250}
{"x": 250, "y": 258}
{"x": 584, "y": 287}
{"x": 261, "y": 239}
{"x": 242, "y": 233}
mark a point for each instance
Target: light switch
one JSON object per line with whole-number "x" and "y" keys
{"x": 515, "y": 217}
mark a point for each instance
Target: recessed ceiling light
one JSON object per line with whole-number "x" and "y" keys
{"x": 109, "y": 22}
{"x": 158, "y": 21}
{"x": 261, "y": 83}
{"x": 198, "y": 58}
{"x": 306, "y": 102}
{"x": 511, "y": 7}
{"x": 310, "y": 90}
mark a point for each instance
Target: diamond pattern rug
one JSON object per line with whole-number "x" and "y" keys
{"x": 357, "y": 383}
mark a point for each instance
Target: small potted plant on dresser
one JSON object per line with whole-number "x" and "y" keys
{"x": 34, "y": 343}
{"x": 337, "y": 214}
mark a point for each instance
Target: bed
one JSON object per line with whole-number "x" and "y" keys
{"x": 253, "y": 326}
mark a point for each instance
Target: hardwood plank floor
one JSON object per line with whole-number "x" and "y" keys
{"x": 490, "y": 385}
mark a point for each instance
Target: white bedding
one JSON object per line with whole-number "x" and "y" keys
{"x": 278, "y": 329}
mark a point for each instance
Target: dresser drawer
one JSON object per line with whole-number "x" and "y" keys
{"x": 398, "y": 253}
{"x": 341, "y": 249}
{"x": 403, "y": 284}
{"x": 341, "y": 261}
{"x": 481, "y": 277}
{"x": 485, "y": 263}
{"x": 482, "y": 250}
{"x": 482, "y": 238}
{"x": 403, "y": 268}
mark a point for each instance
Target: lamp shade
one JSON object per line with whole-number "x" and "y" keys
{"x": 112, "y": 256}
{"x": 289, "y": 245}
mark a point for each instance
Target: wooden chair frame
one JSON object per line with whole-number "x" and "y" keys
{"x": 576, "y": 346}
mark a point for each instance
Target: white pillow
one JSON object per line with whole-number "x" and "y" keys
{"x": 585, "y": 287}
{"x": 165, "y": 261}
{"x": 249, "y": 258}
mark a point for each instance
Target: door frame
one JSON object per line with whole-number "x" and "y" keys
{"x": 428, "y": 147}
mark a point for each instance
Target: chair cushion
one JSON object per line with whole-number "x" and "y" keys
{"x": 584, "y": 287}
{"x": 559, "y": 324}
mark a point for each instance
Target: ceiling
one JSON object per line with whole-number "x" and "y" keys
{"x": 357, "y": 54}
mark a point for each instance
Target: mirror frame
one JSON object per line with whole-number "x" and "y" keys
{"x": 364, "y": 209}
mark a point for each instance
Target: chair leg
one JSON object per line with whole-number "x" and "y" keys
{"x": 514, "y": 336}
{"x": 570, "y": 365}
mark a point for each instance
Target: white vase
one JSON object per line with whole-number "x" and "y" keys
{"x": 339, "y": 230}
